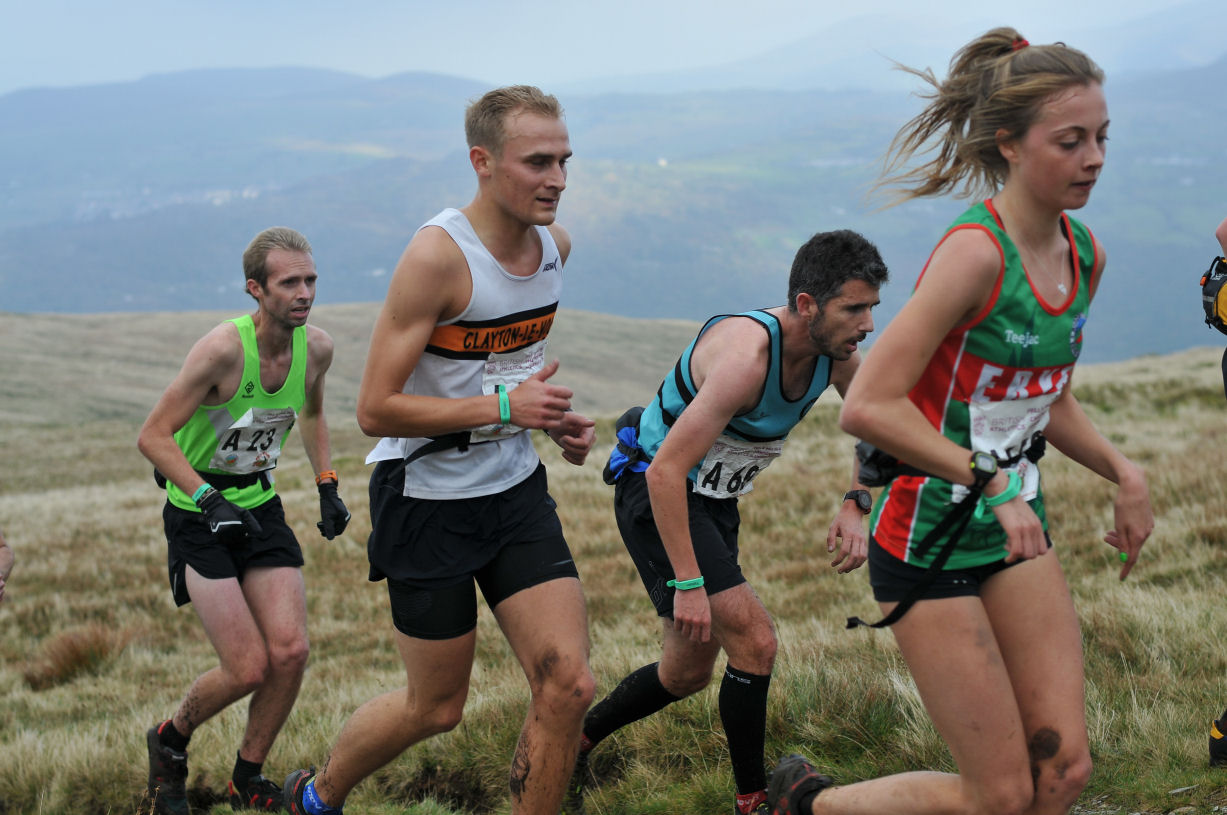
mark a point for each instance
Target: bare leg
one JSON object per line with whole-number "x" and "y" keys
{"x": 432, "y": 702}
{"x": 278, "y": 602}
{"x": 996, "y": 676}
{"x": 547, "y": 627}
{"x": 234, "y": 634}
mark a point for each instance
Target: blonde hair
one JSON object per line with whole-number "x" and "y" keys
{"x": 997, "y": 82}
{"x": 485, "y": 120}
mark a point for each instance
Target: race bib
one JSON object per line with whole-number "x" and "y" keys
{"x": 508, "y": 369}
{"x": 731, "y": 465}
{"x": 253, "y": 442}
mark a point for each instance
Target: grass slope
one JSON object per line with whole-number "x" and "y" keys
{"x": 93, "y": 651}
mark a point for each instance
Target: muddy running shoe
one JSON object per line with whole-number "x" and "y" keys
{"x": 167, "y": 776}
{"x": 1218, "y": 744}
{"x": 754, "y": 803}
{"x": 573, "y": 798}
{"x": 296, "y": 787}
{"x": 261, "y": 794}
{"x": 794, "y": 778}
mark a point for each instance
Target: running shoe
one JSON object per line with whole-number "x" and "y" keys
{"x": 295, "y": 783}
{"x": 751, "y": 804}
{"x": 1218, "y": 744}
{"x": 261, "y": 794}
{"x": 167, "y": 775}
{"x": 573, "y": 798}
{"x": 794, "y": 778}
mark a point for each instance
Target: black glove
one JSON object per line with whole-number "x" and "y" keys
{"x": 229, "y": 524}
{"x": 335, "y": 515}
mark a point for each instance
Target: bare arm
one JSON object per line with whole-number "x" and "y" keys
{"x": 1070, "y": 430}
{"x": 729, "y": 366}
{"x": 1221, "y": 234}
{"x": 209, "y": 375}
{"x": 7, "y": 559}
{"x": 847, "y": 531}
{"x": 313, "y": 425}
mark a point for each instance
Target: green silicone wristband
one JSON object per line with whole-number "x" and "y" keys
{"x": 200, "y": 491}
{"x": 1012, "y": 488}
{"x": 504, "y": 404}
{"x": 686, "y": 585}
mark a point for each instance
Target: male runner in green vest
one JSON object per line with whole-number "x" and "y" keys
{"x": 215, "y": 435}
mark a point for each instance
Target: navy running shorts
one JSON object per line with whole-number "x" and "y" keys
{"x": 714, "y": 523}
{"x": 891, "y": 578}
{"x": 433, "y": 552}
{"x": 189, "y": 543}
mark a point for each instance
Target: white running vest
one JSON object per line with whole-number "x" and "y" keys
{"x": 499, "y": 338}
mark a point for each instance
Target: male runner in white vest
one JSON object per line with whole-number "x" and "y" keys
{"x": 215, "y": 436}
{"x": 456, "y": 371}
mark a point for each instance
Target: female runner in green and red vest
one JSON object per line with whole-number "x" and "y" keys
{"x": 979, "y": 361}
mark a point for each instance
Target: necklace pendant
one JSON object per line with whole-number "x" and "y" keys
{"x": 1061, "y": 288}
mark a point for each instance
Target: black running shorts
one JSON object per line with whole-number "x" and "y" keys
{"x": 432, "y": 551}
{"x": 891, "y": 578}
{"x": 714, "y": 523}
{"x": 190, "y": 543}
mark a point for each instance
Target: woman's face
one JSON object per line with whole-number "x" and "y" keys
{"x": 1057, "y": 161}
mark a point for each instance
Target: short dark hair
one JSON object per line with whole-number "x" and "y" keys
{"x": 828, "y": 260}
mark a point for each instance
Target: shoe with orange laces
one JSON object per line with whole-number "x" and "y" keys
{"x": 260, "y": 794}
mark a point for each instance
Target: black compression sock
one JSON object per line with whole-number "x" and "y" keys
{"x": 743, "y": 712}
{"x": 805, "y": 804}
{"x": 637, "y": 696}
{"x": 244, "y": 771}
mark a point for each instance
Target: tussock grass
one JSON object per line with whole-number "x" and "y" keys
{"x": 80, "y": 508}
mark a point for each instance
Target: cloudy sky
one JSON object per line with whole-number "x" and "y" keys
{"x": 547, "y": 42}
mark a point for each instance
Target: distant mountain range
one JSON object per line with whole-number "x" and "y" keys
{"x": 141, "y": 196}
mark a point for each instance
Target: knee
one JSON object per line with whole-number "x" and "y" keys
{"x": 251, "y": 673}
{"x": 290, "y": 656}
{"x": 436, "y": 716}
{"x": 564, "y": 686}
{"x": 1063, "y": 778}
{"x": 686, "y": 681}
{"x": 755, "y": 651}
{"x": 1011, "y": 795}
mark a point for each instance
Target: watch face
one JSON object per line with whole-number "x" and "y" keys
{"x": 864, "y": 500}
{"x": 984, "y": 464}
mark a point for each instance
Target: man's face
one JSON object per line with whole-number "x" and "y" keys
{"x": 837, "y": 328}
{"x": 530, "y": 173}
{"x": 290, "y": 289}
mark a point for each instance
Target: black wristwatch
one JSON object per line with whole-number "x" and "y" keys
{"x": 864, "y": 501}
{"x": 983, "y": 468}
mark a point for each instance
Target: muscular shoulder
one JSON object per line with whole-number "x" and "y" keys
{"x": 319, "y": 347}
{"x": 734, "y": 353}
{"x": 431, "y": 278}
{"x": 220, "y": 349}
{"x": 962, "y": 272}
{"x": 562, "y": 239}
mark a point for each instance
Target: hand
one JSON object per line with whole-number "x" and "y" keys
{"x": 1133, "y": 518}
{"x": 538, "y": 405}
{"x": 849, "y": 528}
{"x": 692, "y": 614}
{"x": 334, "y": 514}
{"x": 230, "y": 525}
{"x": 575, "y": 434}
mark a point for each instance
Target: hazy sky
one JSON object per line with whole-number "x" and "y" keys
{"x": 547, "y": 42}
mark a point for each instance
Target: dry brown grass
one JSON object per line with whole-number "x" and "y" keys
{"x": 82, "y": 513}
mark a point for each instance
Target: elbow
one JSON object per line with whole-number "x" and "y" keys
{"x": 368, "y": 422}
{"x": 1221, "y": 234}
{"x": 852, "y": 418}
